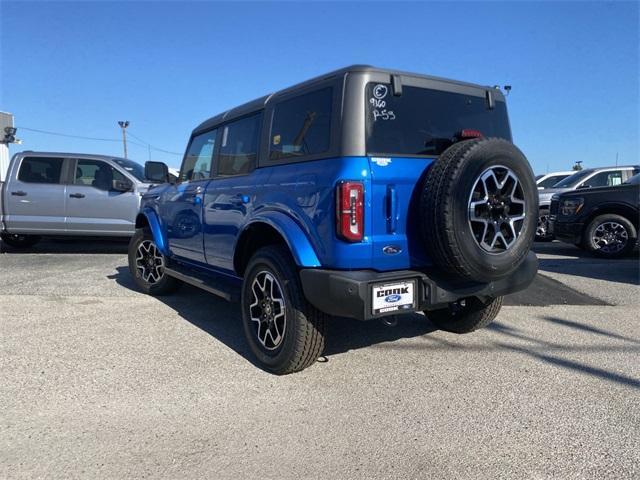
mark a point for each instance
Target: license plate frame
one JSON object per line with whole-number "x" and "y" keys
{"x": 386, "y": 303}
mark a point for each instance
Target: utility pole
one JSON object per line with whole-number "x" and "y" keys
{"x": 123, "y": 126}
{"x": 616, "y": 159}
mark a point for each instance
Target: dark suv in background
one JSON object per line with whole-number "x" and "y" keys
{"x": 587, "y": 178}
{"x": 603, "y": 221}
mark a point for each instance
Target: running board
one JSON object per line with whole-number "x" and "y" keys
{"x": 218, "y": 287}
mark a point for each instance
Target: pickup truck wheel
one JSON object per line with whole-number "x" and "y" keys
{"x": 610, "y": 236}
{"x": 479, "y": 209}
{"x": 17, "y": 240}
{"x": 542, "y": 229}
{"x": 284, "y": 331}
{"x": 147, "y": 263}
{"x": 466, "y": 315}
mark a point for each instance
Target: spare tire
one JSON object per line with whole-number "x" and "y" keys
{"x": 479, "y": 209}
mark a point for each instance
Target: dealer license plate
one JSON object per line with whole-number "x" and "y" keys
{"x": 393, "y": 297}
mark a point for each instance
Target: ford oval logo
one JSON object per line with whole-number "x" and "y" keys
{"x": 391, "y": 250}
{"x": 392, "y": 298}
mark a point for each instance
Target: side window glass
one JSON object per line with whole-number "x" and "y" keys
{"x": 605, "y": 179}
{"x": 97, "y": 174}
{"x": 239, "y": 146}
{"x": 615, "y": 178}
{"x": 301, "y": 126}
{"x": 40, "y": 170}
{"x": 197, "y": 163}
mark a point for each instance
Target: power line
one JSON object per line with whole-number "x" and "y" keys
{"x": 143, "y": 144}
{"x": 153, "y": 147}
{"x": 67, "y": 135}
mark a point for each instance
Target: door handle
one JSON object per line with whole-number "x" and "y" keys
{"x": 197, "y": 199}
{"x": 19, "y": 193}
{"x": 77, "y": 195}
{"x": 392, "y": 208}
{"x": 240, "y": 199}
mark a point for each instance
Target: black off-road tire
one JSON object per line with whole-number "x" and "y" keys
{"x": 17, "y": 240}
{"x": 444, "y": 206}
{"x": 165, "y": 285}
{"x": 589, "y": 245}
{"x": 475, "y": 314}
{"x": 304, "y": 333}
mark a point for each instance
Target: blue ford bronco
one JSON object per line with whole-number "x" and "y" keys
{"x": 362, "y": 193}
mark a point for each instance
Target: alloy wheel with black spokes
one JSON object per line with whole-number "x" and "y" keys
{"x": 147, "y": 265}
{"x": 610, "y": 236}
{"x": 149, "y": 262}
{"x": 284, "y": 331}
{"x": 268, "y": 310}
{"x": 497, "y": 209}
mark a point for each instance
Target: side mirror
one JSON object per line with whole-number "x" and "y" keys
{"x": 156, "y": 172}
{"x": 583, "y": 186}
{"x": 122, "y": 186}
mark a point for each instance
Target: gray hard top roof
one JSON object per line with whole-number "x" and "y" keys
{"x": 259, "y": 103}
{"x": 88, "y": 156}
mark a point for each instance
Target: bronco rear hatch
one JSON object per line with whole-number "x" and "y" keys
{"x": 406, "y": 129}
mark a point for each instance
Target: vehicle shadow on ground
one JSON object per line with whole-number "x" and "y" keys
{"x": 575, "y": 261}
{"x": 72, "y": 245}
{"x": 222, "y": 320}
{"x": 545, "y": 351}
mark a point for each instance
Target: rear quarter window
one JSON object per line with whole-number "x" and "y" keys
{"x": 301, "y": 126}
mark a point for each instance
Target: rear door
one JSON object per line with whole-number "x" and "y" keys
{"x": 93, "y": 205}
{"x": 35, "y": 196}
{"x": 229, "y": 197}
{"x": 181, "y": 208}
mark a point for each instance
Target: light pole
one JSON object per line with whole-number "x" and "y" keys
{"x": 123, "y": 126}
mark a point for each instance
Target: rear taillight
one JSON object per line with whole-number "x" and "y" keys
{"x": 350, "y": 211}
{"x": 469, "y": 133}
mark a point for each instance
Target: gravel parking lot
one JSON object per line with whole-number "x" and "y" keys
{"x": 99, "y": 380}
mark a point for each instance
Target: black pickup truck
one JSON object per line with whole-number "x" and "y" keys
{"x": 604, "y": 221}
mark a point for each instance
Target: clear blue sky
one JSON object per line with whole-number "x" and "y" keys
{"x": 77, "y": 68}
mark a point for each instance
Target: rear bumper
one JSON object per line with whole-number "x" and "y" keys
{"x": 349, "y": 293}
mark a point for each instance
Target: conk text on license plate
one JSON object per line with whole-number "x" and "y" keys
{"x": 393, "y": 297}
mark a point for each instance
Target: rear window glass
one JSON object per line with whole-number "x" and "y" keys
{"x": 301, "y": 126}
{"x": 426, "y": 122}
{"x": 40, "y": 170}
